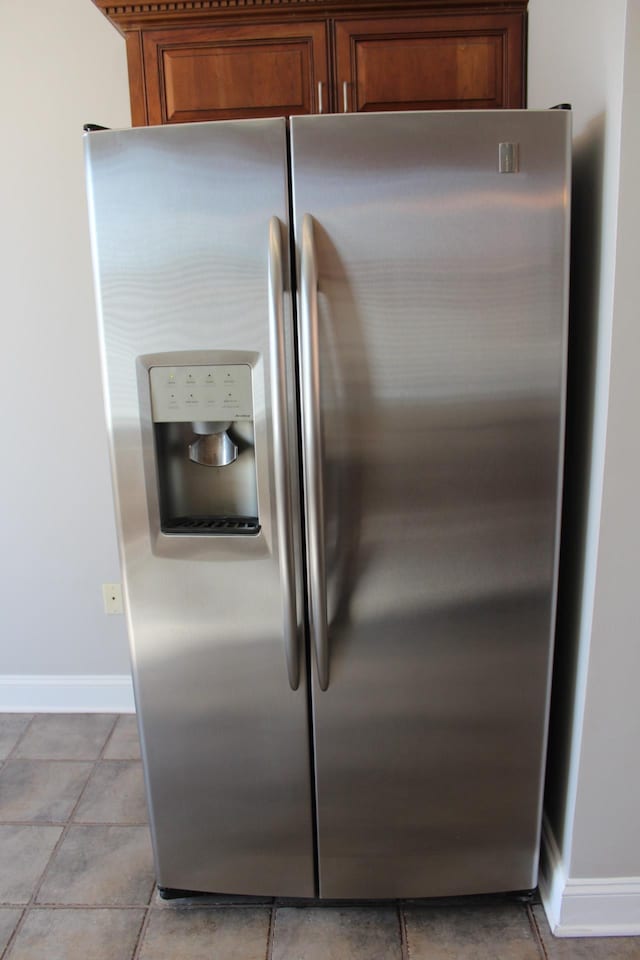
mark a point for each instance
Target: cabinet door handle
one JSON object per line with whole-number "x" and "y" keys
{"x": 320, "y": 99}
{"x": 345, "y": 97}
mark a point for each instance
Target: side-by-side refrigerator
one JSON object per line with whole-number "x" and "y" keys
{"x": 334, "y": 365}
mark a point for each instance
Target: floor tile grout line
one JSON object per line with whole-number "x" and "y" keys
{"x": 74, "y": 906}
{"x": 404, "y": 941}
{"x": 9, "y": 756}
{"x": 116, "y": 717}
{"x": 537, "y": 933}
{"x": 195, "y": 907}
{"x": 76, "y": 823}
{"x": 110, "y": 823}
{"x": 271, "y": 932}
{"x": 149, "y": 902}
{"x": 66, "y": 760}
{"x": 184, "y": 908}
{"x": 113, "y": 730}
{"x": 143, "y": 930}
{"x": 12, "y": 938}
{"x": 99, "y": 759}
{"x": 145, "y": 920}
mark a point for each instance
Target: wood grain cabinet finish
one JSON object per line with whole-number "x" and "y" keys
{"x": 220, "y": 59}
{"x": 206, "y": 73}
{"x": 430, "y": 63}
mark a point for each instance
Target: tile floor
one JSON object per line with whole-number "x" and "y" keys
{"x": 76, "y": 877}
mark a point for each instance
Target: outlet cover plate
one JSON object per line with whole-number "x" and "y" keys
{"x": 112, "y": 597}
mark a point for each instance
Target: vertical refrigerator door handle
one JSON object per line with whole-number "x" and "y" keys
{"x": 281, "y": 452}
{"x": 312, "y": 448}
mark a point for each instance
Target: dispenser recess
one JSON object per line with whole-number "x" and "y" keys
{"x": 203, "y": 424}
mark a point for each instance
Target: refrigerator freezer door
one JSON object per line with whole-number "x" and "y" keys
{"x": 439, "y": 352}
{"x": 192, "y": 277}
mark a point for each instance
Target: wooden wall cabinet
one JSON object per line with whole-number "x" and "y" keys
{"x": 220, "y": 59}
{"x": 218, "y": 73}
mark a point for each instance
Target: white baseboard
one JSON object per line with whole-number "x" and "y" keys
{"x": 586, "y": 907}
{"x": 100, "y": 693}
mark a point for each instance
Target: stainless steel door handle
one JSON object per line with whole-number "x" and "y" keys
{"x": 284, "y": 519}
{"x": 312, "y": 449}
{"x": 345, "y": 96}
{"x": 320, "y": 97}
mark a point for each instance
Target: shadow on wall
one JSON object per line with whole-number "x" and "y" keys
{"x": 586, "y": 231}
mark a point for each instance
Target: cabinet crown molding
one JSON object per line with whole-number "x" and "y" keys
{"x": 121, "y": 12}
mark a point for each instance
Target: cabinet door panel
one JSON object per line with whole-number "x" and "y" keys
{"x": 422, "y": 63}
{"x": 226, "y": 72}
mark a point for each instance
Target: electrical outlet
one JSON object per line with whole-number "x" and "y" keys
{"x": 112, "y": 597}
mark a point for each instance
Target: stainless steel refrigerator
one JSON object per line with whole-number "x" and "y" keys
{"x": 334, "y": 365}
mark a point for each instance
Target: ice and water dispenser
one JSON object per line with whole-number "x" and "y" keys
{"x": 203, "y": 424}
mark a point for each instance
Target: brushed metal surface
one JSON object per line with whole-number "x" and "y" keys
{"x": 179, "y": 220}
{"x": 313, "y": 453}
{"x": 442, "y": 329}
{"x": 281, "y": 465}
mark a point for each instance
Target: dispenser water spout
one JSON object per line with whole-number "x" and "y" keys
{"x": 213, "y": 447}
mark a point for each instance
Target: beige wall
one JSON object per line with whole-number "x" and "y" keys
{"x": 592, "y": 879}
{"x": 61, "y": 64}
{"x": 608, "y": 787}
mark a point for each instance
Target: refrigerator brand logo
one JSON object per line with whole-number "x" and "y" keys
{"x": 508, "y": 157}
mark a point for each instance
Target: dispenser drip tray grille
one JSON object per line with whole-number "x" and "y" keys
{"x": 220, "y": 526}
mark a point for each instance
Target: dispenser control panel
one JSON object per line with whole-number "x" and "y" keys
{"x": 214, "y": 393}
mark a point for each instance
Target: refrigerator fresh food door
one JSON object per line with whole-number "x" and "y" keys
{"x": 190, "y": 235}
{"x": 433, "y": 290}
